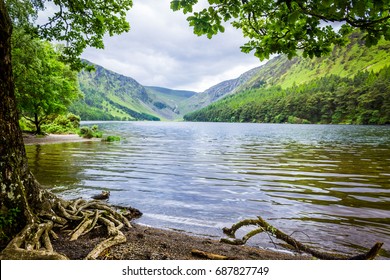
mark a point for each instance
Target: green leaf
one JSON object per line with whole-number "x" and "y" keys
{"x": 175, "y": 5}
{"x": 293, "y": 17}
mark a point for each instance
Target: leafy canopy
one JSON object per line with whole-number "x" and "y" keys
{"x": 76, "y": 23}
{"x": 277, "y": 26}
{"x": 44, "y": 85}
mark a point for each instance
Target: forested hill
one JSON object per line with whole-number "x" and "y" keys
{"x": 111, "y": 96}
{"x": 351, "y": 85}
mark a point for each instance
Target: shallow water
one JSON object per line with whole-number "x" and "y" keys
{"x": 328, "y": 185}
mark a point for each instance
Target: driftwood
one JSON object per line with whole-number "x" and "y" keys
{"x": 77, "y": 217}
{"x": 206, "y": 255}
{"x": 263, "y": 226}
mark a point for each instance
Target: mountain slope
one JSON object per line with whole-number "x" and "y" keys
{"x": 111, "y": 96}
{"x": 216, "y": 92}
{"x": 349, "y": 86}
{"x": 343, "y": 61}
{"x": 170, "y": 102}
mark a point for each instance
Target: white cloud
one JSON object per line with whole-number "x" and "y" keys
{"x": 162, "y": 50}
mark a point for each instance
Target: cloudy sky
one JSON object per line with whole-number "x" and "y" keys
{"x": 161, "y": 50}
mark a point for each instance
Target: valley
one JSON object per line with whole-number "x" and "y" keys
{"x": 111, "y": 96}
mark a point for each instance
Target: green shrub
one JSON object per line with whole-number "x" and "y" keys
{"x": 25, "y": 125}
{"x": 74, "y": 119}
{"x": 87, "y": 132}
{"x": 111, "y": 138}
{"x": 62, "y": 124}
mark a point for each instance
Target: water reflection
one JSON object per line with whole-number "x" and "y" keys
{"x": 54, "y": 165}
{"x": 330, "y": 182}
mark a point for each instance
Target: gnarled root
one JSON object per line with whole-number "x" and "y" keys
{"x": 117, "y": 237}
{"x": 78, "y": 217}
{"x": 33, "y": 242}
{"x": 263, "y": 226}
{"x": 94, "y": 213}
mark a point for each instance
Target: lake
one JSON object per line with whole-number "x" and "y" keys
{"x": 327, "y": 185}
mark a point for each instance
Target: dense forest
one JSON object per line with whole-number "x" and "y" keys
{"x": 362, "y": 99}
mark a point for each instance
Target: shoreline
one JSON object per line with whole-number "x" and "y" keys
{"x": 31, "y": 139}
{"x": 149, "y": 243}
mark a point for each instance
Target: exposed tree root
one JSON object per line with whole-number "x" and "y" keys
{"x": 113, "y": 240}
{"x": 263, "y": 226}
{"x": 77, "y": 217}
{"x": 28, "y": 244}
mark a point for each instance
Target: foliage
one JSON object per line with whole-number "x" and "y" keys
{"x": 25, "y": 125}
{"x": 111, "y": 138}
{"x": 62, "y": 124}
{"x": 23, "y": 12}
{"x": 78, "y": 24}
{"x": 363, "y": 99}
{"x": 43, "y": 84}
{"x": 7, "y": 220}
{"x": 90, "y": 132}
{"x": 286, "y": 26}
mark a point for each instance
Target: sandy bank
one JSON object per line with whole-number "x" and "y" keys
{"x": 30, "y": 139}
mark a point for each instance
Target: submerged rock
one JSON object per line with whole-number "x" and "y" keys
{"x": 102, "y": 196}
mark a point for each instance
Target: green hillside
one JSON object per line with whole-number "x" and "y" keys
{"x": 351, "y": 85}
{"x": 343, "y": 61}
{"x": 111, "y": 96}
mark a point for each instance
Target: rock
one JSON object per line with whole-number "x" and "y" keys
{"x": 103, "y": 195}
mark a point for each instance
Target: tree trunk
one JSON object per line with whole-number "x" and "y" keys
{"x": 18, "y": 188}
{"x": 37, "y": 123}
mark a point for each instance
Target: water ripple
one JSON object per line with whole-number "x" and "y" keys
{"x": 332, "y": 182}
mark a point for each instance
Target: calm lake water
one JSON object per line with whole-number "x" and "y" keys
{"x": 327, "y": 185}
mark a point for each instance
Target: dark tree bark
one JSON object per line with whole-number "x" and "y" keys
{"x": 18, "y": 188}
